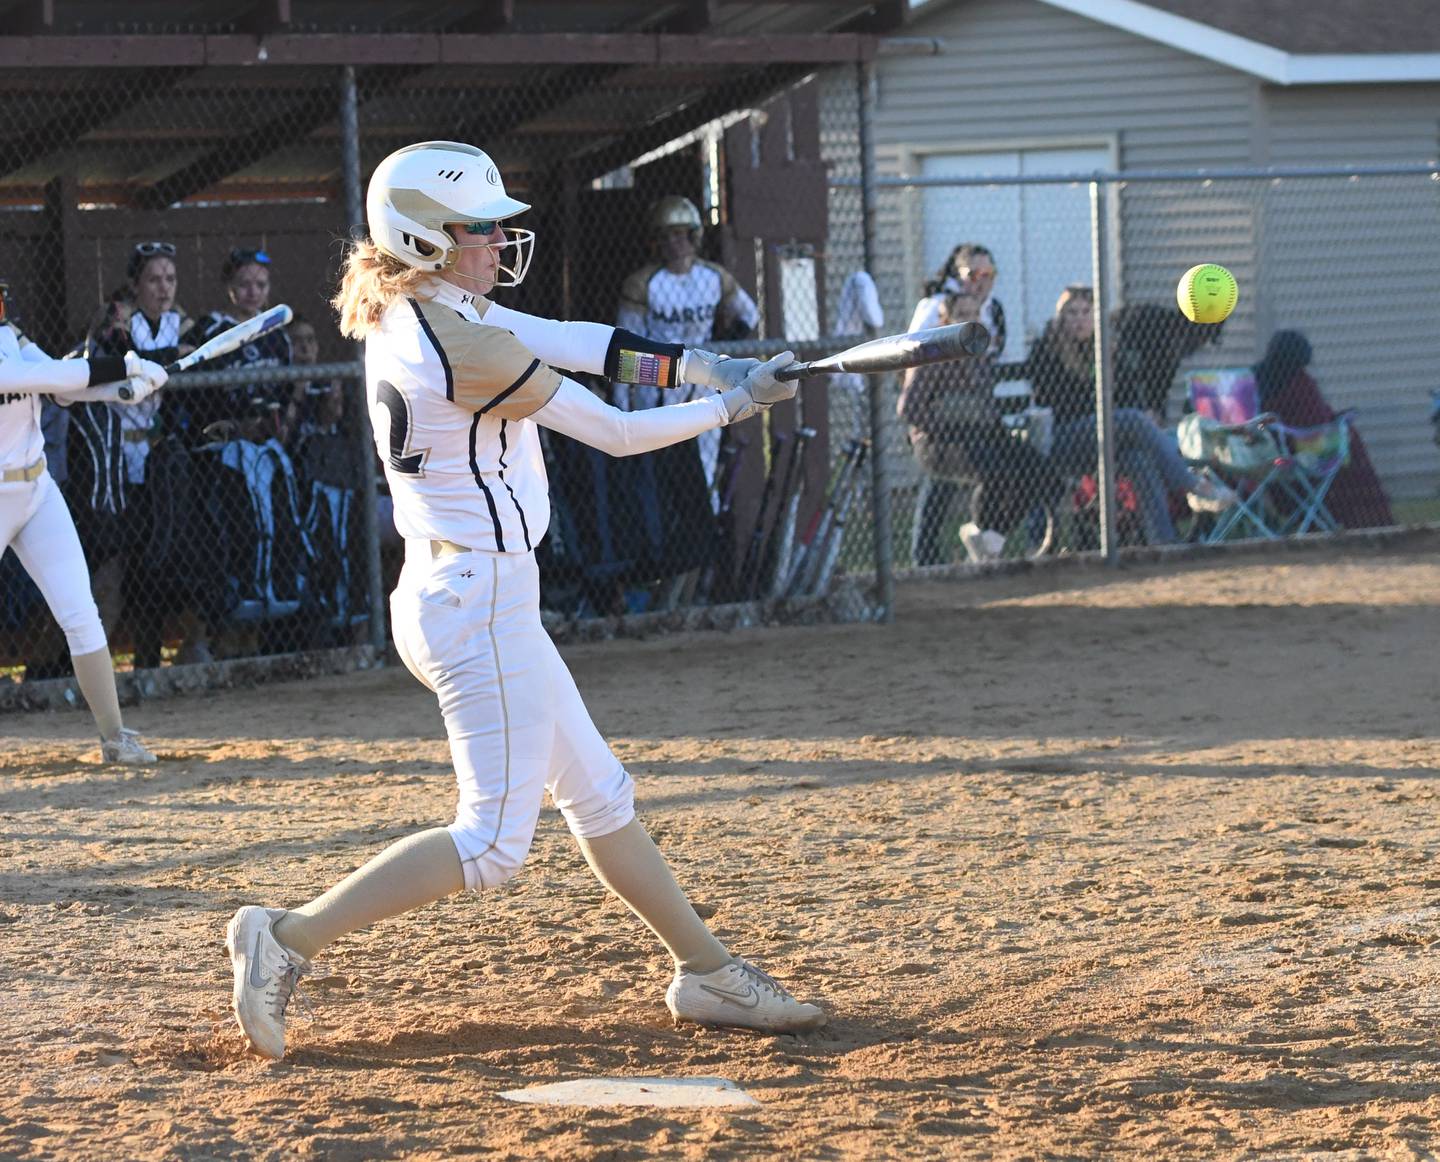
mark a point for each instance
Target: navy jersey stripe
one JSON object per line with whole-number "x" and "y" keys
{"x": 513, "y": 388}
{"x": 440, "y": 351}
{"x": 524, "y": 525}
{"x": 480, "y": 480}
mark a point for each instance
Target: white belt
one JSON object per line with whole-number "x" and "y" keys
{"x": 28, "y": 473}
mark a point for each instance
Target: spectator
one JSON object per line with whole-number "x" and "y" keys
{"x": 246, "y": 275}
{"x": 957, "y": 434}
{"x": 313, "y": 406}
{"x": 1061, "y": 370}
{"x": 1356, "y": 498}
{"x": 112, "y": 465}
{"x": 970, "y": 267}
{"x": 1150, "y": 342}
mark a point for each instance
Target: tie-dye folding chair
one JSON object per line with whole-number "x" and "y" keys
{"x": 1313, "y": 458}
{"x": 1227, "y": 434}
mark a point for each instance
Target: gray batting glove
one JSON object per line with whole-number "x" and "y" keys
{"x": 759, "y": 389}
{"x": 710, "y": 370}
{"x": 143, "y": 371}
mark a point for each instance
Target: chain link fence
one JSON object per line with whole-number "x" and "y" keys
{"x": 1307, "y": 411}
{"x": 243, "y": 513}
{"x": 229, "y": 516}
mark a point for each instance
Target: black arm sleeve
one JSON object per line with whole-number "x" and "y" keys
{"x": 106, "y": 369}
{"x": 632, "y": 358}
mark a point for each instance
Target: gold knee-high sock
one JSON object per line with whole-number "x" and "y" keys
{"x": 96, "y": 675}
{"x": 410, "y": 873}
{"x": 630, "y": 865}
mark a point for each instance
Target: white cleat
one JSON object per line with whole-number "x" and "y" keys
{"x": 981, "y": 544}
{"x": 739, "y": 995}
{"x": 126, "y": 749}
{"x": 266, "y": 973}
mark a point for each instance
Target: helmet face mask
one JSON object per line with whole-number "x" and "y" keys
{"x": 509, "y": 271}
{"x": 416, "y": 191}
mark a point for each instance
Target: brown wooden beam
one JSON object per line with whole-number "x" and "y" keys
{"x": 316, "y": 49}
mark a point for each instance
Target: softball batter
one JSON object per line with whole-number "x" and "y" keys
{"x": 35, "y": 522}
{"x": 456, "y": 386}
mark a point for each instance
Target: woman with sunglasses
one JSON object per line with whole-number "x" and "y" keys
{"x": 457, "y": 387}
{"x": 34, "y": 519}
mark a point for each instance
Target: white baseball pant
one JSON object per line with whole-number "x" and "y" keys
{"x": 468, "y": 627}
{"x": 35, "y": 522}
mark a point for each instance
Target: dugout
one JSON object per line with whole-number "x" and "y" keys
{"x": 212, "y": 125}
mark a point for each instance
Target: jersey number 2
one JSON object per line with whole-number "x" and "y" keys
{"x": 401, "y": 459}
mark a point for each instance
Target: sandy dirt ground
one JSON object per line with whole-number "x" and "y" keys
{"x": 1144, "y": 864}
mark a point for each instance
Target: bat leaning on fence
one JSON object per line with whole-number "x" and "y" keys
{"x": 843, "y": 498}
{"x": 229, "y": 340}
{"x": 788, "y": 513}
{"x": 805, "y": 563}
{"x": 898, "y": 352}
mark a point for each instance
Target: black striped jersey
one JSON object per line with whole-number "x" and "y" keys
{"x": 449, "y": 398}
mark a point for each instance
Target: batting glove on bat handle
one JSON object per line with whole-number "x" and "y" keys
{"x": 760, "y": 388}
{"x": 145, "y": 378}
{"x": 710, "y": 370}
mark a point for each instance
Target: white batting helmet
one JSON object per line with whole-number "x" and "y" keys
{"x": 676, "y": 211}
{"x": 416, "y": 190}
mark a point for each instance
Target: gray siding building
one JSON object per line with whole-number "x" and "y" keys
{"x": 1027, "y": 87}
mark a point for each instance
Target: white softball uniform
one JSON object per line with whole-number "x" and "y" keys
{"x": 456, "y": 386}
{"x": 681, "y": 308}
{"x": 34, "y": 519}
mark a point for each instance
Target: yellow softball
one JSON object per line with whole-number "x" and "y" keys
{"x": 1207, "y": 293}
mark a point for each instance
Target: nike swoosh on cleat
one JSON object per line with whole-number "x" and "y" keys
{"x": 746, "y": 1000}
{"x": 257, "y": 981}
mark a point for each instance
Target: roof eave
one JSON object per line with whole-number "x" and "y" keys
{"x": 1250, "y": 56}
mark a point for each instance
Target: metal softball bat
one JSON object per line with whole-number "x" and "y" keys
{"x": 899, "y": 352}
{"x": 229, "y": 340}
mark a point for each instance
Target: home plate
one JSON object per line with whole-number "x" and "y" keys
{"x": 667, "y": 1092}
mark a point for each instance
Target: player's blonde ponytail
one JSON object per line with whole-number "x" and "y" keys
{"x": 371, "y": 282}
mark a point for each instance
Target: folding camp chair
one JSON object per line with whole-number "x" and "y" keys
{"x": 1313, "y": 458}
{"x": 1227, "y": 434}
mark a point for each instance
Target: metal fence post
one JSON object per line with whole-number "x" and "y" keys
{"x": 879, "y": 474}
{"x": 1104, "y": 389}
{"x": 354, "y": 214}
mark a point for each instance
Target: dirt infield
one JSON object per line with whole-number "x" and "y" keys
{"x": 1146, "y": 865}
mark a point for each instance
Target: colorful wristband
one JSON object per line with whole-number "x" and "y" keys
{"x": 632, "y": 358}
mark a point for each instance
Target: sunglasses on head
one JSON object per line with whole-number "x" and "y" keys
{"x": 151, "y": 249}
{"x": 481, "y": 228}
{"x": 240, "y": 257}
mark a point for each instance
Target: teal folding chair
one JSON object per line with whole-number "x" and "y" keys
{"x": 1313, "y": 458}
{"x": 1226, "y": 433}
